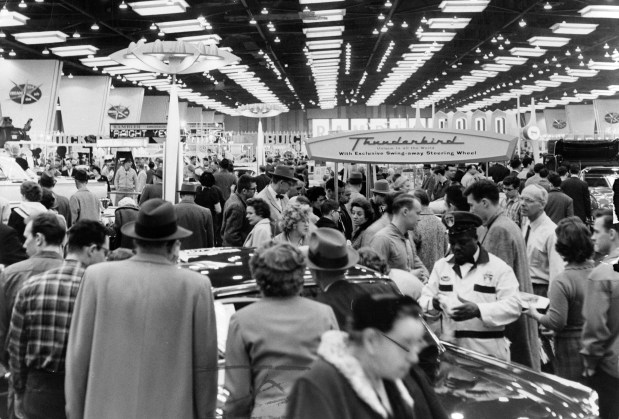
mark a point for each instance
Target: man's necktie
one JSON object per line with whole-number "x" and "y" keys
{"x": 526, "y": 236}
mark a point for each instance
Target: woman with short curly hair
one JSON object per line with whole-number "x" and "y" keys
{"x": 275, "y": 339}
{"x": 564, "y": 315}
{"x": 294, "y": 224}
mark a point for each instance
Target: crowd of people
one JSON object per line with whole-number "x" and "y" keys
{"x": 466, "y": 247}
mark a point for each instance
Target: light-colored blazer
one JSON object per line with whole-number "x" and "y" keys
{"x": 260, "y": 234}
{"x": 276, "y": 212}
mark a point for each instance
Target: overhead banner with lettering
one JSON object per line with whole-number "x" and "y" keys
{"x": 29, "y": 89}
{"x": 82, "y": 100}
{"x": 124, "y": 105}
{"x": 412, "y": 146}
{"x": 607, "y": 116}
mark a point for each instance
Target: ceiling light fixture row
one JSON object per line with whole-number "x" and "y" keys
{"x": 348, "y": 57}
{"x": 385, "y": 56}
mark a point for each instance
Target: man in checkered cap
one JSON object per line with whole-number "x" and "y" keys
{"x": 474, "y": 291}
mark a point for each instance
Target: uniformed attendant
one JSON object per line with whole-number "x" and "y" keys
{"x": 476, "y": 292}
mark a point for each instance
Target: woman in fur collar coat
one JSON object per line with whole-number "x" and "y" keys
{"x": 366, "y": 374}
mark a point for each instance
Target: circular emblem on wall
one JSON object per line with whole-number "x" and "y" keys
{"x": 118, "y": 112}
{"x": 532, "y": 132}
{"x": 612, "y": 117}
{"x": 25, "y": 94}
{"x": 559, "y": 124}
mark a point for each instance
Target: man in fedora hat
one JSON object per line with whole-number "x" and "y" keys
{"x": 328, "y": 259}
{"x": 142, "y": 327}
{"x": 355, "y": 183}
{"x": 275, "y": 194}
{"x": 194, "y": 218}
{"x": 476, "y": 292}
{"x": 380, "y": 191}
{"x": 83, "y": 203}
{"x": 154, "y": 190}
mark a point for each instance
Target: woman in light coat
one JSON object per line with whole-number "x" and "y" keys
{"x": 258, "y": 214}
{"x": 273, "y": 341}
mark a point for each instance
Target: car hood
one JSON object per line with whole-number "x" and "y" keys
{"x": 506, "y": 391}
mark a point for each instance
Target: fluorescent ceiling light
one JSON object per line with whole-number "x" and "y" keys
{"x": 320, "y": 16}
{"x": 463, "y": 6}
{"x": 159, "y": 7}
{"x": 121, "y": 69}
{"x": 324, "y": 32}
{"x": 206, "y": 39}
{"x": 74, "y": 51}
{"x": 326, "y": 54}
{"x": 448, "y": 23}
{"x": 318, "y": 1}
{"x": 484, "y": 73}
{"x": 36, "y": 38}
{"x": 141, "y": 77}
{"x": 425, "y": 47}
{"x": 582, "y": 72}
{"x": 436, "y": 36}
{"x": 511, "y": 60}
{"x": 604, "y": 65}
{"x": 179, "y": 26}
{"x": 548, "y": 41}
{"x": 496, "y": 67}
{"x": 603, "y": 92}
{"x": 8, "y": 19}
{"x": 600, "y": 11}
{"x": 548, "y": 83}
{"x": 329, "y": 44}
{"x": 586, "y": 96}
{"x": 527, "y": 52}
{"x": 573, "y": 28}
{"x": 155, "y": 82}
{"x": 98, "y": 61}
{"x": 534, "y": 88}
{"x": 563, "y": 79}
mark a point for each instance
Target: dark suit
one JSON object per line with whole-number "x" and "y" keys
{"x": 197, "y": 219}
{"x": 559, "y": 205}
{"x": 341, "y": 295}
{"x": 578, "y": 190}
{"x": 235, "y": 228}
{"x": 11, "y": 249}
{"x": 345, "y": 222}
{"x": 151, "y": 191}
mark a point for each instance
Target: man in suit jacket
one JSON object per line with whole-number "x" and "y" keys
{"x": 559, "y": 205}
{"x": 275, "y": 194}
{"x": 144, "y": 295}
{"x": 48, "y": 181}
{"x": 262, "y": 180}
{"x": 235, "y": 226}
{"x": 194, "y": 218}
{"x": 11, "y": 249}
{"x": 343, "y": 197}
{"x": 578, "y": 190}
{"x": 155, "y": 190}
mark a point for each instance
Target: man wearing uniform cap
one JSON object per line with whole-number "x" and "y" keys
{"x": 476, "y": 292}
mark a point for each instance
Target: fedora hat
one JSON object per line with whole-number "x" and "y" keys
{"x": 156, "y": 222}
{"x": 188, "y": 188}
{"x": 327, "y": 251}
{"x": 355, "y": 177}
{"x": 381, "y": 187}
{"x": 286, "y": 172}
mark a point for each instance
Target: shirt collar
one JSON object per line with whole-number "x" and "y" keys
{"x": 480, "y": 256}
{"x": 539, "y": 221}
{"x": 397, "y": 231}
{"x": 48, "y": 254}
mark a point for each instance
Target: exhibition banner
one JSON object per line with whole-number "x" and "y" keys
{"x": 556, "y": 121}
{"x": 29, "y": 89}
{"x": 412, "y": 146}
{"x": 580, "y": 119}
{"x": 124, "y": 105}
{"x": 155, "y": 109}
{"x": 607, "y": 116}
{"x": 82, "y": 103}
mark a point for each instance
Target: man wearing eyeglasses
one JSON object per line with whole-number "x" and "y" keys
{"x": 40, "y": 324}
{"x": 475, "y": 292}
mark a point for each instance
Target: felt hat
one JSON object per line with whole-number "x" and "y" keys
{"x": 355, "y": 177}
{"x": 188, "y": 188}
{"x": 458, "y": 222}
{"x": 287, "y": 172}
{"x": 327, "y": 251}
{"x": 381, "y": 187}
{"x": 156, "y": 222}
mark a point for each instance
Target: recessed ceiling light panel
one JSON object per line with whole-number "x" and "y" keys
{"x": 573, "y": 28}
{"x": 527, "y": 52}
{"x": 179, "y": 26}
{"x": 323, "y": 32}
{"x": 548, "y": 41}
{"x": 74, "y": 51}
{"x": 448, "y": 23}
{"x": 159, "y": 7}
{"x": 37, "y": 38}
{"x": 600, "y": 11}
{"x": 9, "y": 19}
{"x": 463, "y": 6}
{"x": 321, "y": 16}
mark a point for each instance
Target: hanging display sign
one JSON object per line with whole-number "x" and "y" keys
{"x": 138, "y": 130}
{"x": 412, "y": 146}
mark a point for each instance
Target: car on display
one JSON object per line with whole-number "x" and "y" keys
{"x": 468, "y": 384}
{"x": 600, "y": 180}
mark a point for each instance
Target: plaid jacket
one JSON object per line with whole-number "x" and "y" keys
{"x": 40, "y": 322}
